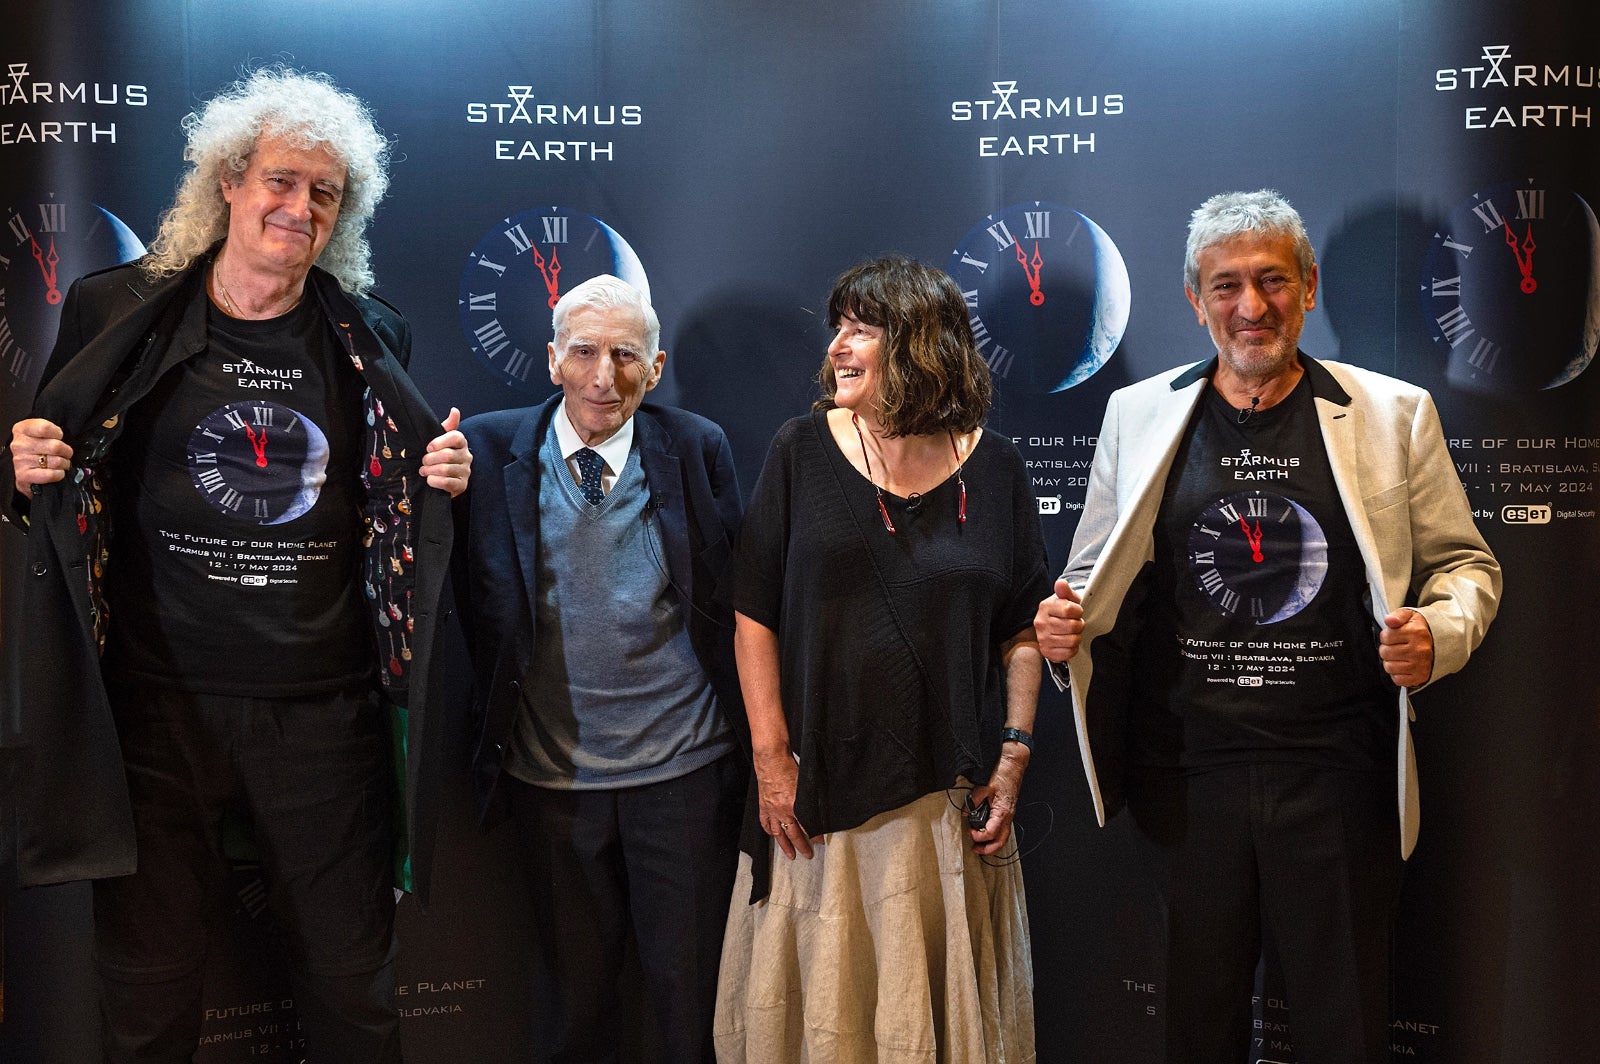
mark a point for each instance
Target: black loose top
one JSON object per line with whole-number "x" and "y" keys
{"x": 891, "y": 676}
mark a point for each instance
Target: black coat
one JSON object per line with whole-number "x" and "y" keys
{"x": 119, "y": 333}
{"x": 695, "y": 495}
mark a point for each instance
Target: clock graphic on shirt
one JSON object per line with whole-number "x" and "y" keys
{"x": 1258, "y": 555}
{"x": 1047, "y": 291}
{"x": 258, "y": 462}
{"x": 47, "y": 242}
{"x": 517, "y": 272}
{"x": 1511, "y": 286}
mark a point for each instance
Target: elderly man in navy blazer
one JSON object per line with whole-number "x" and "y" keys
{"x": 1275, "y": 552}
{"x": 611, "y": 715}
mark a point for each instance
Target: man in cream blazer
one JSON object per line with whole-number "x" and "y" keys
{"x": 1275, "y": 553}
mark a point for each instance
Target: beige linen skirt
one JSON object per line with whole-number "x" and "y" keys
{"x": 895, "y": 944}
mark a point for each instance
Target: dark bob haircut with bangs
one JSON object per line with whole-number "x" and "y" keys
{"x": 932, "y": 379}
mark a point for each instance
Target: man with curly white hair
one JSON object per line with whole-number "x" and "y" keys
{"x": 237, "y": 510}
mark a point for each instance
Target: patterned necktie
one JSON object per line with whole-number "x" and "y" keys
{"x": 589, "y": 464}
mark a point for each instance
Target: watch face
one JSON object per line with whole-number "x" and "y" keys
{"x": 46, "y": 243}
{"x": 518, "y": 271}
{"x": 1048, "y": 292}
{"x": 258, "y": 462}
{"x": 1258, "y": 555}
{"x": 1511, "y": 288}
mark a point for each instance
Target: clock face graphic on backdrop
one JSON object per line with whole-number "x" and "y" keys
{"x": 1048, "y": 294}
{"x": 259, "y": 462}
{"x": 1511, "y": 288}
{"x": 1257, "y": 555}
{"x": 47, "y": 242}
{"x": 518, "y": 271}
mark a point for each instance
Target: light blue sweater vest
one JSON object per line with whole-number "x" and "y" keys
{"x": 615, "y": 696}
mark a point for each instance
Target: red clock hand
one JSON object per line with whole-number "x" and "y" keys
{"x": 260, "y": 444}
{"x": 1254, "y": 539}
{"x": 47, "y": 269}
{"x": 1036, "y": 297}
{"x": 1528, "y": 283}
{"x": 1524, "y": 255}
{"x": 549, "y": 272}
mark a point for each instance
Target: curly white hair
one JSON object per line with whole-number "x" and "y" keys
{"x": 306, "y": 110}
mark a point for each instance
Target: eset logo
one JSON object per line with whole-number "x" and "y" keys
{"x": 1525, "y": 515}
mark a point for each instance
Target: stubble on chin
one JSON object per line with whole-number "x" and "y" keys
{"x": 1258, "y": 361}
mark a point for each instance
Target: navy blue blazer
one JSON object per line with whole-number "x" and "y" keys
{"x": 694, "y": 493}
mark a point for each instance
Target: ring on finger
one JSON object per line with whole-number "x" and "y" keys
{"x": 44, "y": 461}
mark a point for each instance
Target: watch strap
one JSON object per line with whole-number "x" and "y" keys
{"x": 1017, "y": 735}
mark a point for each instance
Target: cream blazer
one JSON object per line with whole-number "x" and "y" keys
{"x": 1401, "y": 494}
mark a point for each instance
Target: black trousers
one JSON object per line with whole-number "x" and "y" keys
{"x": 1308, "y": 855}
{"x": 314, "y": 776}
{"x": 658, "y": 858}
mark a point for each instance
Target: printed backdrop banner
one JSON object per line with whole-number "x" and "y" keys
{"x": 732, "y": 158}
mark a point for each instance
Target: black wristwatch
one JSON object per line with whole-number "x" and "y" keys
{"x": 1017, "y": 735}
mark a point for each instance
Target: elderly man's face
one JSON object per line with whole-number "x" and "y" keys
{"x": 281, "y": 210}
{"x": 604, "y": 368}
{"x": 1253, "y": 301}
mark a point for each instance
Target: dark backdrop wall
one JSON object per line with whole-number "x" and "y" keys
{"x": 734, "y": 157}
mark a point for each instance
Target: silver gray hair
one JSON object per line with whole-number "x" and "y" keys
{"x": 603, "y": 293}
{"x": 1228, "y": 214}
{"x": 306, "y": 110}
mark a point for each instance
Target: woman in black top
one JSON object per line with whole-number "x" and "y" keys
{"x": 887, "y": 576}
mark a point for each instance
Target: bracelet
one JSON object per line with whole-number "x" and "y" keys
{"x": 1017, "y": 735}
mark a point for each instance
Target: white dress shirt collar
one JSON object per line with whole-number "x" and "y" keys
{"x": 614, "y": 451}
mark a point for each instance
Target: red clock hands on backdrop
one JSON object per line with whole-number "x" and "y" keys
{"x": 1524, "y": 261}
{"x": 550, "y": 273}
{"x": 1036, "y": 297}
{"x": 47, "y": 269}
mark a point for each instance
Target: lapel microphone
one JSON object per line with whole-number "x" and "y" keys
{"x": 1244, "y": 415}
